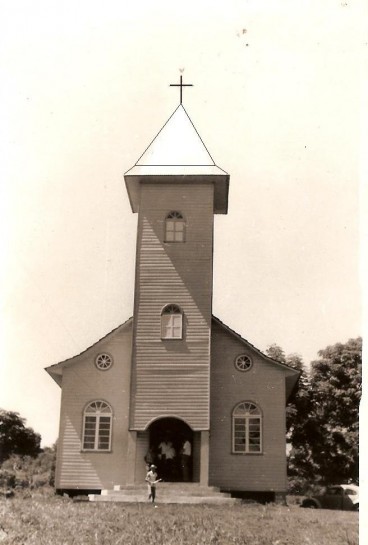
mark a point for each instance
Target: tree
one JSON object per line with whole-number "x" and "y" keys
{"x": 294, "y": 408}
{"x": 322, "y": 415}
{"x": 15, "y": 437}
{"x": 299, "y": 421}
{"x": 275, "y": 352}
{"x": 336, "y": 383}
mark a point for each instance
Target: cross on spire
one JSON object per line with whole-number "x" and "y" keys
{"x": 181, "y": 85}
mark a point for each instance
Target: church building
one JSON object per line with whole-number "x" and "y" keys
{"x": 174, "y": 373}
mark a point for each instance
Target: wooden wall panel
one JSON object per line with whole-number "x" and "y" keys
{"x": 141, "y": 451}
{"x": 83, "y": 383}
{"x": 264, "y": 384}
{"x": 171, "y": 377}
{"x": 196, "y": 456}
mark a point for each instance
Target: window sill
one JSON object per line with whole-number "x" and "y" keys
{"x": 96, "y": 451}
{"x": 247, "y": 453}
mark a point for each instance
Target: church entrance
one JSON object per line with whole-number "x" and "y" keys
{"x": 171, "y": 449}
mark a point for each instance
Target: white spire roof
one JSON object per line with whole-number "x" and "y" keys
{"x": 177, "y": 144}
{"x": 177, "y": 155}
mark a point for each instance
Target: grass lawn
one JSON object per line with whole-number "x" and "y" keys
{"x": 53, "y": 520}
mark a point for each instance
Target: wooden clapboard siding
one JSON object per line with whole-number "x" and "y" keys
{"x": 75, "y": 468}
{"x": 142, "y": 446}
{"x": 264, "y": 384}
{"x": 83, "y": 383}
{"x": 196, "y": 451}
{"x": 171, "y": 377}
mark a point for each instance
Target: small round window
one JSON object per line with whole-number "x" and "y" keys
{"x": 243, "y": 363}
{"x": 103, "y": 362}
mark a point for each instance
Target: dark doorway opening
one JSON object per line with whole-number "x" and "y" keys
{"x": 171, "y": 449}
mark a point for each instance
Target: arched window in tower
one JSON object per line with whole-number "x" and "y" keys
{"x": 97, "y": 418}
{"x": 247, "y": 428}
{"x": 172, "y": 322}
{"x": 175, "y": 227}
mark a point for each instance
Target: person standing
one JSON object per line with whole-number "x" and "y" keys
{"x": 149, "y": 458}
{"x": 185, "y": 458}
{"x": 151, "y": 480}
{"x": 170, "y": 455}
{"x": 162, "y": 449}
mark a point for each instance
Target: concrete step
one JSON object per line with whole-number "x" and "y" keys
{"x": 171, "y": 485}
{"x": 213, "y": 500}
{"x": 166, "y": 493}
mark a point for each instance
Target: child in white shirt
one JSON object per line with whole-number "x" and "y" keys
{"x": 151, "y": 480}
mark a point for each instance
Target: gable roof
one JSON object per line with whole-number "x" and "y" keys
{"x": 56, "y": 370}
{"x": 292, "y": 375}
{"x": 250, "y": 345}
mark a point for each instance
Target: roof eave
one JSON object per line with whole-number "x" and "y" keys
{"x": 176, "y": 175}
{"x": 267, "y": 358}
{"x": 56, "y": 369}
{"x": 55, "y": 374}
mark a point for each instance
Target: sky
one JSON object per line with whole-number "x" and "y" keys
{"x": 278, "y": 97}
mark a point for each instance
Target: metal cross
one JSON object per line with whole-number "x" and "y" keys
{"x": 181, "y": 85}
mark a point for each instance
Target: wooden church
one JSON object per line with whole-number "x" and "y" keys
{"x": 174, "y": 372}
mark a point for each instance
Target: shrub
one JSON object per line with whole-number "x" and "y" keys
{"x": 25, "y": 472}
{"x": 7, "y": 478}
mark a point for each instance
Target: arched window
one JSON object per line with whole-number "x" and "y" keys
{"x": 174, "y": 227}
{"x": 247, "y": 428}
{"x": 172, "y": 322}
{"x": 97, "y": 420}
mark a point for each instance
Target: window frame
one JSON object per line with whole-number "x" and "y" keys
{"x": 177, "y": 219}
{"x": 95, "y": 435}
{"x": 246, "y": 420}
{"x": 107, "y": 357}
{"x": 176, "y": 311}
{"x": 244, "y": 357}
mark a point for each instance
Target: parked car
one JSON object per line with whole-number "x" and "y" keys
{"x": 342, "y": 496}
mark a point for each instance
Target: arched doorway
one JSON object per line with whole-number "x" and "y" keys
{"x": 167, "y": 437}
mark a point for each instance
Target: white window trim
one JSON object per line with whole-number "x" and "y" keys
{"x": 246, "y": 419}
{"x": 164, "y": 326}
{"x": 98, "y": 416}
{"x": 176, "y": 218}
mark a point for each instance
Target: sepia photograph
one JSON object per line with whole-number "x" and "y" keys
{"x": 183, "y": 249}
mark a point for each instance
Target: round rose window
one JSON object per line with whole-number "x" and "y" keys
{"x": 103, "y": 362}
{"x": 243, "y": 363}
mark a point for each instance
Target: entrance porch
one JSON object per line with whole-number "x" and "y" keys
{"x": 148, "y": 446}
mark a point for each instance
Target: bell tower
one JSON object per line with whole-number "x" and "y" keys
{"x": 176, "y": 188}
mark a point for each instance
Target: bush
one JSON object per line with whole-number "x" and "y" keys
{"x": 7, "y": 479}
{"x": 297, "y": 486}
{"x": 23, "y": 472}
